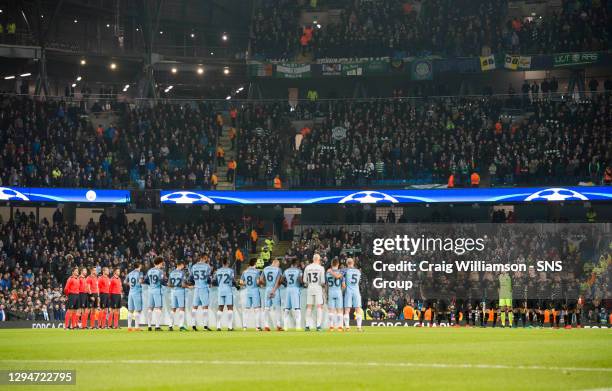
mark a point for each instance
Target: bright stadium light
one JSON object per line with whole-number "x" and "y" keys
{"x": 318, "y": 26}
{"x": 226, "y": 71}
{"x": 113, "y": 65}
{"x": 212, "y": 53}
{"x": 240, "y": 89}
{"x": 9, "y": 77}
{"x": 192, "y": 35}
{"x": 125, "y": 88}
{"x": 78, "y": 78}
{"x": 107, "y": 25}
{"x": 73, "y": 85}
{"x": 76, "y": 21}
{"x": 83, "y": 61}
{"x": 25, "y": 74}
{"x": 200, "y": 71}
{"x": 174, "y": 70}
{"x": 228, "y": 97}
{"x": 161, "y": 32}
{"x": 224, "y": 37}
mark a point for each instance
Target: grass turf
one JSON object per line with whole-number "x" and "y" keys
{"x": 379, "y": 358}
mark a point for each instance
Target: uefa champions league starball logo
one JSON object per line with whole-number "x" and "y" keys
{"x": 186, "y": 197}
{"x": 368, "y": 197}
{"x": 7, "y": 194}
{"x": 556, "y": 194}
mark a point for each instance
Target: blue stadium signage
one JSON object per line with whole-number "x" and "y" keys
{"x": 302, "y": 197}
{"x": 36, "y": 194}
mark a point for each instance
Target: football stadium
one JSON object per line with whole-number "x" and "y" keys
{"x": 306, "y": 194}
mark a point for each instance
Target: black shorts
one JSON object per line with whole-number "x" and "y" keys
{"x": 83, "y": 300}
{"x": 104, "y": 300}
{"x": 115, "y": 301}
{"x": 73, "y": 301}
{"x": 94, "y": 300}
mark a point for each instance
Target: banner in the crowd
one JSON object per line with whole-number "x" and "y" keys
{"x": 570, "y": 59}
{"x": 487, "y": 63}
{"x": 511, "y": 62}
{"x": 292, "y": 71}
{"x": 524, "y": 62}
{"x": 334, "y": 69}
{"x": 377, "y": 67}
{"x": 422, "y": 69}
{"x": 260, "y": 69}
{"x": 339, "y": 133}
{"x": 34, "y": 194}
{"x": 352, "y": 69}
{"x": 388, "y": 196}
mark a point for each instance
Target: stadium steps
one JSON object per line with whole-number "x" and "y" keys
{"x": 226, "y": 143}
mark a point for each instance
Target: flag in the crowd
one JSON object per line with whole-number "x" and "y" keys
{"x": 422, "y": 69}
{"x": 487, "y": 63}
{"x": 524, "y": 62}
{"x": 511, "y": 62}
{"x": 292, "y": 71}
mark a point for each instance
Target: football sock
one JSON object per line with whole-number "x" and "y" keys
{"x": 286, "y": 319}
{"x": 129, "y": 319}
{"x": 358, "y": 318}
{"x": 245, "y": 317}
{"x": 339, "y": 319}
{"x": 503, "y": 319}
{"x": 194, "y": 316}
{"x": 84, "y": 318}
{"x": 346, "y": 320}
{"x": 510, "y": 318}
{"x": 319, "y": 316}
{"x": 219, "y": 315}
{"x": 67, "y": 318}
{"x": 267, "y": 316}
{"x": 158, "y": 315}
{"x": 137, "y": 319}
{"x": 297, "y": 315}
{"x": 92, "y": 318}
{"x": 278, "y": 317}
{"x": 116, "y": 319}
{"x": 308, "y": 317}
{"x": 257, "y": 318}
{"x": 205, "y": 317}
{"x": 230, "y": 319}
{"x": 330, "y": 317}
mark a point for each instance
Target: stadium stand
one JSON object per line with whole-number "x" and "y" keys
{"x": 449, "y": 28}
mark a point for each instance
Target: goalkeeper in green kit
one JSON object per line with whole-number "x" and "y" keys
{"x": 505, "y": 298}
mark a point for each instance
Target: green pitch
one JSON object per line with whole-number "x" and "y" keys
{"x": 377, "y": 359}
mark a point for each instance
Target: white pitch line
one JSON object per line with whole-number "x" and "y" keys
{"x": 312, "y": 363}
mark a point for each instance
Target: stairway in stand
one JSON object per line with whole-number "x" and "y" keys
{"x": 226, "y": 144}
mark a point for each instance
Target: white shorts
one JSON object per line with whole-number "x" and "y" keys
{"x": 314, "y": 298}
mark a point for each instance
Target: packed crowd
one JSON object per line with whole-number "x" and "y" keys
{"x": 330, "y": 243}
{"x": 51, "y": 143}
{"x": 260, "y": 145}
{"x": 462, "y": 28}
{"x": 36, "y": 259}
{"x": 383, "y": 142}
{"x": 358, "y": 143}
